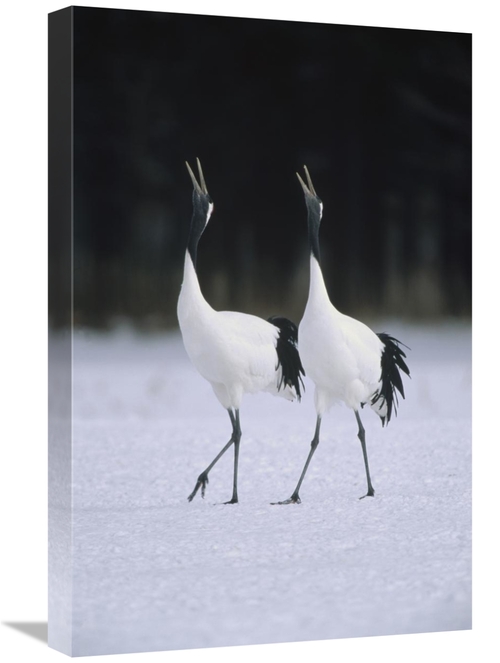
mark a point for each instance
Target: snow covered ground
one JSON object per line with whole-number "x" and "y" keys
{"x": 153, "y": 571}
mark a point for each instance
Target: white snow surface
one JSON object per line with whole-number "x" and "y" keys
{"x": 154, "y": 572}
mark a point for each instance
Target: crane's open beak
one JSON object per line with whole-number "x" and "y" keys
{"x": 308, "y": 188}
{"x": 201, "y": 187}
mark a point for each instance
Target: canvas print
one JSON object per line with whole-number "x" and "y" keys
{"x": 260, "y": 331}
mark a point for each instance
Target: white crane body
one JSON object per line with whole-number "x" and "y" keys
{"x": 236, "y": 353}
{"x": 345, "y": 359}
{"x": 340, "y": 354}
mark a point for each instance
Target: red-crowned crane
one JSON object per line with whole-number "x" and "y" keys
{"x": 346, "y": 360}
{"x": 236, "y": 352}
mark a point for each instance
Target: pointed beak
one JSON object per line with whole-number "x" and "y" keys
{"x": 201, "y": 188}
{"x": 202, "y": 179}
{"x": 308, "y": 188}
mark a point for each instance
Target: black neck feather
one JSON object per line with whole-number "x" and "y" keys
{"x": 313, "y": 223}
{"x": 198, "y": 223}
{"x": 193, "y": 247}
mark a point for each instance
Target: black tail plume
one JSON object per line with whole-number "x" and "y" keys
{"x": 288, "y": 354}
{"x": 392, "y": 361}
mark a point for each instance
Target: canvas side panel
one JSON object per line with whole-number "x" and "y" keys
{"x": 60, "y": 210}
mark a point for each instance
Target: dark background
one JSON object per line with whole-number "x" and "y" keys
{"x": 381, "y": 117}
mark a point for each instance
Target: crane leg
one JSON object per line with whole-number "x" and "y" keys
{"x": 361, "y": 435}
{"x": 202, "y": 480}
{"x": 236, "y": 438}
{"x": 294, "y": 498}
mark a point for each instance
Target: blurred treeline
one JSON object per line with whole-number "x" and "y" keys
{"x": 381, "y": 117}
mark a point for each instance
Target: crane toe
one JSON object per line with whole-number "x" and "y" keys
{"x": 201, "y": 482}
{"x": 294, "y": 499}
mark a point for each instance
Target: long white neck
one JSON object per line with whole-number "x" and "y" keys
{"x": 192, "y": 306}
{"x": 318, "y": 294}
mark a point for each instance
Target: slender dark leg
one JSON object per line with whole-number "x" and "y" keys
{"x": 236, "y": 437}
{"x": 361, "y": 435}
{"x": 295, "y": 499}
{"x": 202, "y": 480}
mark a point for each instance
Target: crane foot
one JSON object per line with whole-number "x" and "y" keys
{"x": 370, "y": 493}
{"x": 201, "y": 482}
{"x": 294, "y": 499}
